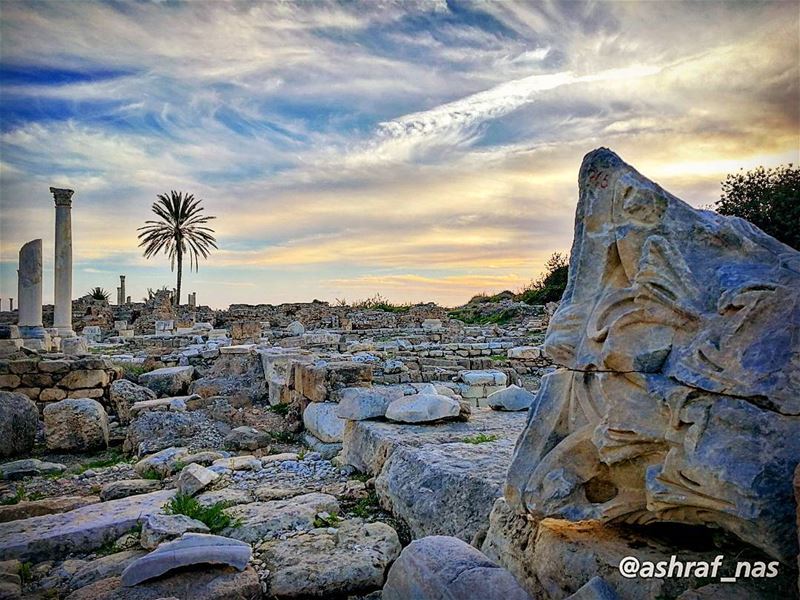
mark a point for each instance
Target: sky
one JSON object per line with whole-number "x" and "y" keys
{"x": 423, "y": 150}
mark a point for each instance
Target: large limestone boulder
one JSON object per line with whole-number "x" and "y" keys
{"x": 124, "y": 394}
{"x": 511, "y": 398}
{"x": 194, "y": 478}
{"x": 678, "y": 338}
{"x": 75, "y": 425}
{"x": 169, "y": 381}
{"x": 350, "y": 559}
{"x": 446, "y": 568}
{"x": 422, "y": 408}
{"x": 321, "y": 420}
{"x": 160, "y": 528}
{"x": 18, "y": 420}
{"x": 360, "y": 403}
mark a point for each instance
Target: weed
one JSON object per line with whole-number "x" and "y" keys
{"x": 19, "y": 495}
{"x": 498, "y": 357}
{"x": 151, "y": 473}
{"x": 331, "y": 520}
{"x": 279, "y": 409}
{"x": 108, "y": 547}
{"x": 283, "y": 437}
{"x": 480, "y": 438}
{"x": 366, "y": 507}
{"x": 213, "y": 516}
{"x": 362, "y": 477}
{"x": 114, "y": 457}
{"x": 25, "y": 572}
{"x": 301, "y": 454}
{"x": 36, "y": 495}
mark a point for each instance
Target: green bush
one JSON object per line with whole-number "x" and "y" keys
{"x": 480, "y": 438}
{"x": 768, "y": 198}
{"x": 552, "y": 283}
{"x": 213, "y": 516}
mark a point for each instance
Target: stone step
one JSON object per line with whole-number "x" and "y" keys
{"x": 80, "y": 530}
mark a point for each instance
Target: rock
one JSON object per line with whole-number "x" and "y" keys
{"x": 106, "y": 566}
{"x": 237, "y": 463}
{"x": 189, "y": 549}
{"x": 10, "y": 580}
{"x": 422, "y": 408}
{"x": 46, "y": 506}
{"x": 128, "y": 487}
{"x": 74, "y": 346}
{"x": 239, "y": 377}
{"x": 331, "y": 562}
{"x": 295, "y": 328}
{"x": 446, "y": 568}
{"x": 511, "y": 398}
{"x": 163, "y": 463}
{"x": 261, "y": 519}
{"x": 326, "y": 451}
{"x": 80, "y": 530}
{"x": 176, "y": 404}
{"x": 203, "y": 458}
{"x": 152, "y": 431}
{"x": 161, "y": 528}
{"x": 84, "y": 378}
{"x": 169, "y": 381}
{"x": 207, "y": 583}
{"x": 524, "y": 352}
{"x": 416, "y": 485}
{"x": 18, "y": 420}
{"x": 229, "y": 496}
{"x": 358, "y": 404}
{"x": 194, "y": 478}
{"x": 678, "y": 341}
{"x": 321, "y": 421}
{"x": 28, "y": 467}
{"x": 247, "y": 438}
{"x": 595, "y": 589}
{"x": 75, "y": 425}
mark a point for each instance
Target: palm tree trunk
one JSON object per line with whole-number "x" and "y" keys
{"x": 180, "y": 274}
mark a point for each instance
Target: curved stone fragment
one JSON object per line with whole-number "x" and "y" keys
{"x": 189, "y": 549}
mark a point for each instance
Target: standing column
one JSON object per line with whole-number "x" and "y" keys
{"x": 122, "y": 289}
{"x": 62, "y": 319}
{"x": 29, "y": 291}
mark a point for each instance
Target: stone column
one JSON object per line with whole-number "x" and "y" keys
{"x": 62, "y": 318}
{"x": 11, "y": 304}
{"x": 29, "y": 291}
{"x": 122, "y": 289}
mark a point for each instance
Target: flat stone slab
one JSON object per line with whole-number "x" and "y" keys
{"x": 419, "y": 466}
{"x": 79, "y": 530}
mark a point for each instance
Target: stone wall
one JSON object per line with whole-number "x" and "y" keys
{"x": 51, "y": 380}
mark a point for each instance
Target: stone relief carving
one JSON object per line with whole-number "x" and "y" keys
{"x": 678, "y": 396}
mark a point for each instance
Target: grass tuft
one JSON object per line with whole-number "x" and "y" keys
{"x": 213, "y": 516}
{"x": 480, "y": 438}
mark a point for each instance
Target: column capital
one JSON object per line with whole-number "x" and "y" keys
{"x": 62, "y": 196}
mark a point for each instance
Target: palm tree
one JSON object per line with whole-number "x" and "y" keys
{"x": 98, "y": 293}
{"x": 180, "y": 230}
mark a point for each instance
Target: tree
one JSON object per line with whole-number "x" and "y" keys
{"x": 98, "y": 293}
{"x": 180, "y": 230}
{"x": 768, "y": 198}
{"x": 551, "y": 284}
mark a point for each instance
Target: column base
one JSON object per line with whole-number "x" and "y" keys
{"x": 65, "y": 331}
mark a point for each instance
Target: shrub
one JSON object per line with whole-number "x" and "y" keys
{"x": 480, "y": 438}
{"x": 551, "y": 284}
{"x": 768, "y": 198}
{"x": 213, "y": 516}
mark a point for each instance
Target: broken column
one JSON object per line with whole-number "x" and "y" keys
{"x": 121, "y": 290}
{"x": 29, "y": 291}
{"x": 62, "y": 318}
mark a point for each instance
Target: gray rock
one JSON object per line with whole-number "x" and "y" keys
{"x": 194, "y": 478}
{"x": 229, "y": 496}
{"x": 595, "y": 589}
{"x": 27, "y": 467}
{"x": 128, "y": 487}
{"x": 75, "y": 425}
{"x": 446, "y": 568}
{"x": 80, "y": 530}
{"x": 358, "y": 404}
{"x": 160, "y": 528}
{"x": 261, "y": 519}
{"x": 152, "y": 431}
{"x": 247, "y": 438}
{"x": 321, "y": 421}
{"x": 422, "y": 408}
{"x": 511, "y": 398}
{"x": 326, "y": 451}
{"x": 103, "y": 567}
{"x": 189, "y": 549}
{"x": 124, "y": 394}
{"x": 295, "y": 328}
{"x": 350, "y": 559}
{"x": 678, "y": 339}
{"x": 18, "y": 420}
{"x": 164, "y": 463}
{"x": 169, "y": 381}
